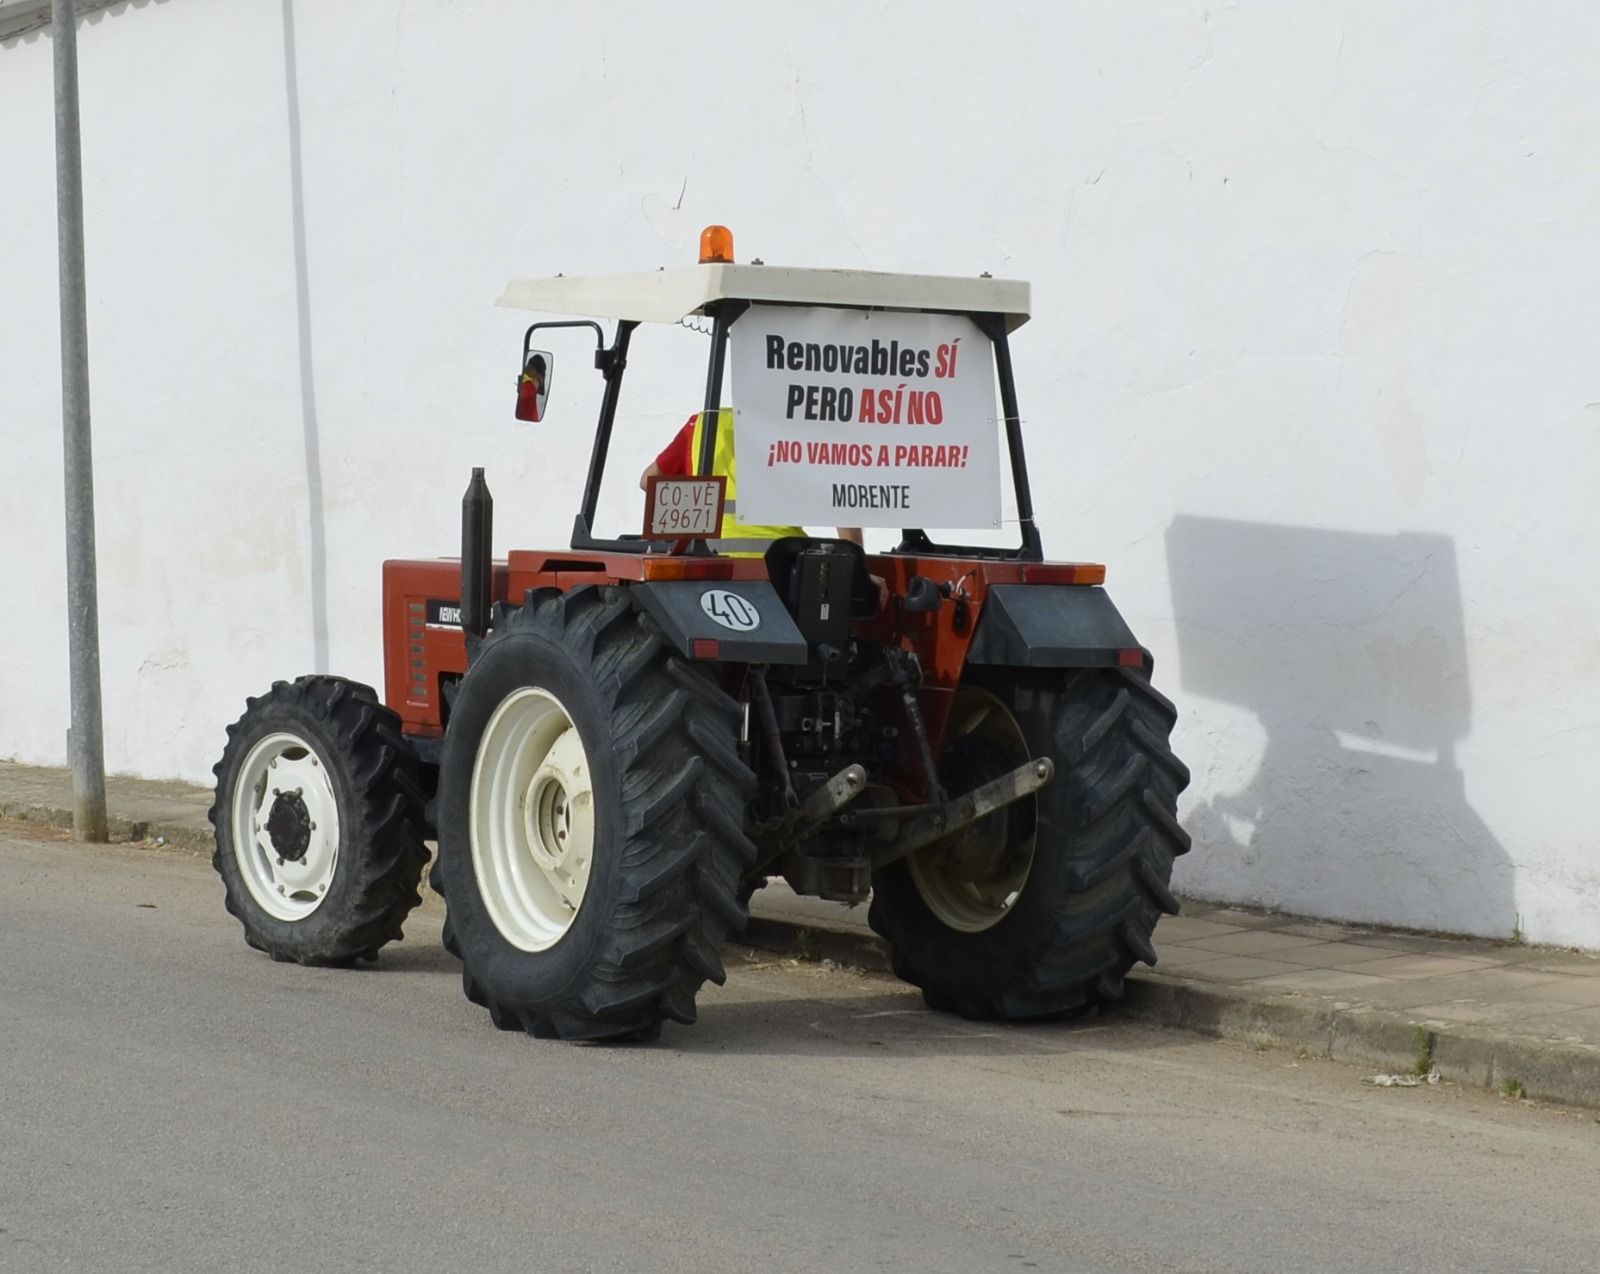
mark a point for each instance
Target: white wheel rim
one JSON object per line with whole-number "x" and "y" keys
{"x": 532, "y": 819}
{"x": 285, "y": 820}
{"x": 964, "y": 888}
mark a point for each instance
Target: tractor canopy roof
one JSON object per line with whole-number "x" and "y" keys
{"x": 673, "y": 293}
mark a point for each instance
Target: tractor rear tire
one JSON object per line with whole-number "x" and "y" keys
{"x": 591, "y": 802}
{"x": 1043, "y": 907}
{"x": 319, "y": 822}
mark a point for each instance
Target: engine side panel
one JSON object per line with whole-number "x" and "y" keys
{"x": 423, "y": 644}
{"x": 424, "y": 647}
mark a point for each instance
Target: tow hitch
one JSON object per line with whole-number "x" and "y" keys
{"x": 929, "y": 823}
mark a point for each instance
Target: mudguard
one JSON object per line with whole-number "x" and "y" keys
{"x": 1053, "y": 626}
{"x": 745, "y": 618}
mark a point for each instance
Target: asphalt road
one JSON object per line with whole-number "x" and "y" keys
{"x": 170, "y": 1100}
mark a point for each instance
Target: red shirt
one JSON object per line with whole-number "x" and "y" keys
{"x": 677, "y": 458}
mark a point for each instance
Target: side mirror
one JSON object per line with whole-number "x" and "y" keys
{"x": 533, "y": 386}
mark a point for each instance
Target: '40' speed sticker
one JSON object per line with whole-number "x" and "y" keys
{"x": 730, "y": 610}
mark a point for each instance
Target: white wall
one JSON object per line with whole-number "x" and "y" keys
{"x": 1313, "y": 369}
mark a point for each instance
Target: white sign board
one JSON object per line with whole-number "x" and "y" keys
{"x": 864, "y": 418}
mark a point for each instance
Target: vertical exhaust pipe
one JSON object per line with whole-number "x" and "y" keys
{"x": 477, "y": 527}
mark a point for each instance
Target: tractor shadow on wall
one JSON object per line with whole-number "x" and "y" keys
{"x": 1349, "y": 650}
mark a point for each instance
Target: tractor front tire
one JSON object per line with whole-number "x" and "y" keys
{"x": 319, "y": 822}
{"x": 591, "y": 812}
{"x": 1042, "y": 907}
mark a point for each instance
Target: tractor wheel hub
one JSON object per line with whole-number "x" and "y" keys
{"x": 289, "y": 827}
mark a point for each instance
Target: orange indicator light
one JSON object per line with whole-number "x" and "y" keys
{"x": 716, "y": 244}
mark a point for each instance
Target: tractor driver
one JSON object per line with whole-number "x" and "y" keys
{"x": 739, "y": 539}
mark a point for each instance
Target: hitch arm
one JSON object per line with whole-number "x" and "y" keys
{"x": 831, "y": 797}
{"x": 907, "y": 675}
{"x": 769, "y": 732}
{"x": 783, "y": 834}
{"x": 940, "y": 821}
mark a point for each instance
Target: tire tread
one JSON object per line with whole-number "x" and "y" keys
{"x": 382, "y": 822}
{"x": 680, "y": 837}
{"x": 1113, "y": 812}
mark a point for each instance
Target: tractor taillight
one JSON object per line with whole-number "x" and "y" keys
{"x": 1063, "y": 573}
{"x": 705, "y": 648}
{"x": 1130, "y": 658}
{"x": 673, "y": 568}
{"x": 716, "y": 245}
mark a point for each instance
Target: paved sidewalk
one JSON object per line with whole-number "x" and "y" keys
{"x": 1521, "y": 1019}
{"x": 1516, "y": 1018}
{"x": 139, "y": 808}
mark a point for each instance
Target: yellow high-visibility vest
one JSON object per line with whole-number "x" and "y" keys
{"x": 739, "y": 539}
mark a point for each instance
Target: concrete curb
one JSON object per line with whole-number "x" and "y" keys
{"x": 1321, "y": 1026}
{"x": 185, "y": 837}
{"x": 814, "y": 942}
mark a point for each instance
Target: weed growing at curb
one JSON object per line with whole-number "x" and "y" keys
{"x": 1512, "y": 1087}
{"x": 1426, "y": 1040}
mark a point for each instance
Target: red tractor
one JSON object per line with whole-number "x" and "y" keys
{"x": 615, "y": 744}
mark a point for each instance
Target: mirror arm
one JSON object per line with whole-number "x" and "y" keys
{"x": 527, "y": 337}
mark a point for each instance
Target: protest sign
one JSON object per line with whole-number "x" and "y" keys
{"x": 864, "y": 418}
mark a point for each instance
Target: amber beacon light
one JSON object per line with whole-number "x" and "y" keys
{"x": 716, "y": 244}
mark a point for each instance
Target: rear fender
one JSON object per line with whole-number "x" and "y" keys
{"x": 1054, "y": 626}
{"x": 745, "y": 618}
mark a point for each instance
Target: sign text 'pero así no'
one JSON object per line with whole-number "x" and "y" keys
{"x": 858, "y": 418}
